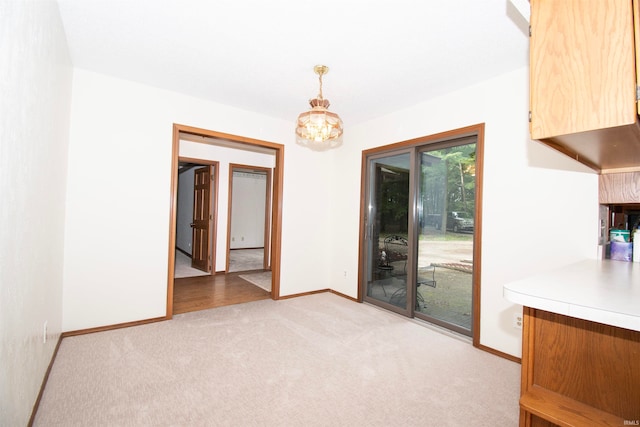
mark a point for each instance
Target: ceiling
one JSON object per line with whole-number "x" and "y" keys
{"x": 258, "y": 55}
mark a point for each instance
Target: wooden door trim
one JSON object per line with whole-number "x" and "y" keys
{"x": 267, "y": 221}
{"x": 276, "y": 217}
{"x": 268, "y": 206}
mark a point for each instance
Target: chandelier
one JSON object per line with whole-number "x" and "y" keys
{"x": 318, "y": 128}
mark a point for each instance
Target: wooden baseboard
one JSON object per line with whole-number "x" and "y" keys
{"x": 498, "y": 353}
{"x": 320, "y": 291}
{"x": 111, "y": 327}
{"x": 36, "y": 405}
{"x": 340, "y": 294}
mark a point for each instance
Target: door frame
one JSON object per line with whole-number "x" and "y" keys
{"x": 236, "y": 167}
{"x": 276, "y": 206}
{"x": 476, "y": 130}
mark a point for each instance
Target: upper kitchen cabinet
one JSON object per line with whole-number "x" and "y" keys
{"x": 583, "y": 80}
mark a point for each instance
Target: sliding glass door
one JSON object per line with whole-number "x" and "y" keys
{"x": 387, "y": 232}
{"x": 446, "y": 219}
{"x": 420, "y": 213}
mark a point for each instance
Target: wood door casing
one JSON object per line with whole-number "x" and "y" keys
{"x": 210, "y": 137}
{"x": 201, "y": 248}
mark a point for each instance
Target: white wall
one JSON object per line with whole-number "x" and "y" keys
{"x": 539, "y": 207}
{"x": 117, "y": 228}
{"x": 35, "y": 88}
{"x": 224, "y": 156}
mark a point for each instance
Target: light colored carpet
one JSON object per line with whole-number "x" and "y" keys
{"x": 246, "y": 259}
{"x": 261, "y": 280}
{"x": 183, "y": 267}
{"x": 317, "y": 360}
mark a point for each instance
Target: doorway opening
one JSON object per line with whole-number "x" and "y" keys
{"x": 421, "y": 229}
{"x": 200, "y": 143}
{"x": 249, "y": 229}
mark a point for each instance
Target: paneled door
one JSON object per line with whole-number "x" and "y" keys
{"x": 388, "y": 243}
{"x": 201, "y": 248}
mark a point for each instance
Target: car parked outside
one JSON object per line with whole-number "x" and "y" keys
{"x": 459, "y": 221}
{"x": 456, "y": 221}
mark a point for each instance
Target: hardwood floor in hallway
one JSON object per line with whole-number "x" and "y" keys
{"x": 203, "y": 292}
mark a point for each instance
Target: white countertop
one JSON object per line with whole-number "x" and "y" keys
{"x": 600, "y": 291}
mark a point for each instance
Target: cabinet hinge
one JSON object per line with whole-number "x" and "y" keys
{"x": 529, "y": 116}
{"x": 529, "y": 30}
{"x": 637, "y": 93}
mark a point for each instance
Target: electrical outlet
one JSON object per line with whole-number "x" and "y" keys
{"x": 44, "y": 333}
{"x": 345, "y": 274}
{"x": 517, "y": 320}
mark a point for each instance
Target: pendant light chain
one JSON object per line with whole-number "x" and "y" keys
{"x": 320, "y": 79}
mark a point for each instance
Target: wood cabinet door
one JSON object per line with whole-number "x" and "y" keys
{"x": 582, "y": 66}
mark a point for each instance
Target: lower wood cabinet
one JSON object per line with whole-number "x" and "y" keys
{"x": 578, "y": 373}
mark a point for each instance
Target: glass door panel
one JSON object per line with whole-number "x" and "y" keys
{"x": 445, "y": 209}
{"x": 387, "y": 263}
